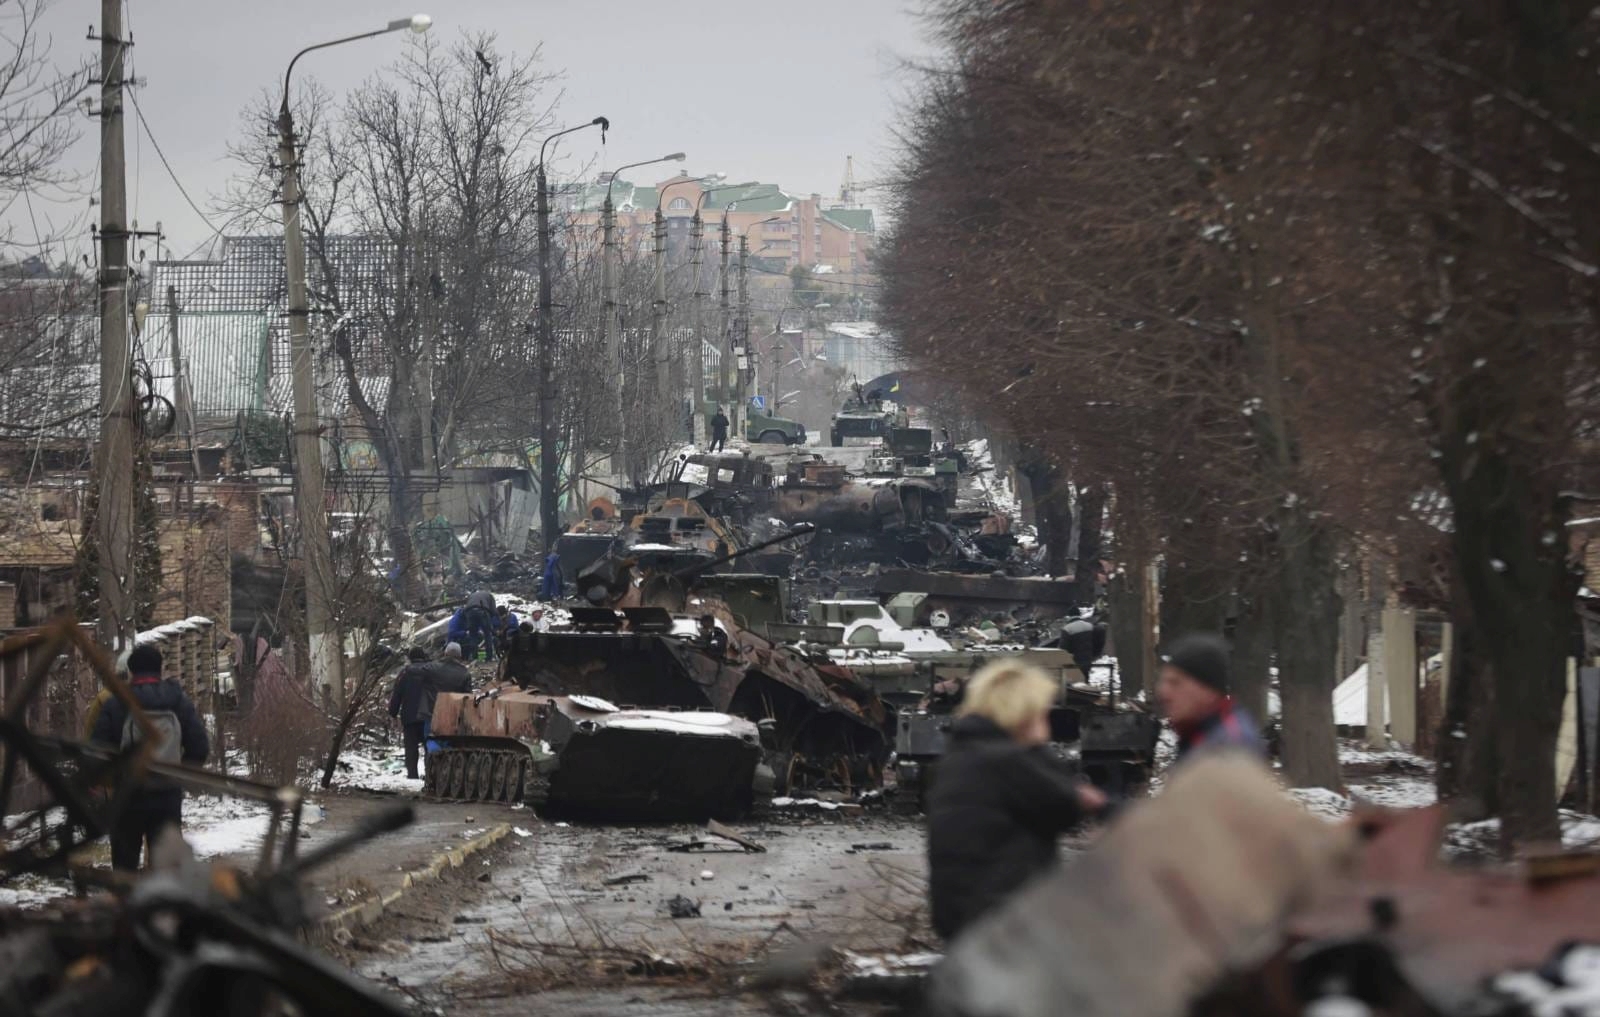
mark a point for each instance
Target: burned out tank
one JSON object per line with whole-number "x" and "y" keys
{"x": 577, "y": 754}
{"x": 821, "y": 726}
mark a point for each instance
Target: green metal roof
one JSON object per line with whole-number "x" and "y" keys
{"x": 858, "y": 220}
{"x": 755, "y": 198}
{"x": 226, "y": 356}
{"x": 592, "y": 197}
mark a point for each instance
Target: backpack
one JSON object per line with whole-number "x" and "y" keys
{"x": 169, "y": 732}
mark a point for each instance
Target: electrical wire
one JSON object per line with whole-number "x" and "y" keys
{"x": 179, "y": 183}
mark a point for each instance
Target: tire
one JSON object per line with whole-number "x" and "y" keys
{"x": 773, "y": 438}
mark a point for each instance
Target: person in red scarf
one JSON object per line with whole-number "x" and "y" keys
{"x": 1192, "y": 690}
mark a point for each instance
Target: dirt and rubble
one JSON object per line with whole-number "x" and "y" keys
{"x": 586, "y": 912}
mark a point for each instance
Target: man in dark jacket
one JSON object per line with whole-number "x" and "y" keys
{"x": 998, "y": 801}
{"x": 1192, "y": 689}
{"x": 409, "y": 702}
{"x": 1085, "y": 640}
{"x": 447, "y": 675}
{"x": 156, "y": 803}
{"x": 719, "y": 431}
{"x": 480, "y": 623}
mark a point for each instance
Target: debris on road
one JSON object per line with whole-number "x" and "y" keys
{"x": 632, "y": 877}
{"x": 682, "y": 907}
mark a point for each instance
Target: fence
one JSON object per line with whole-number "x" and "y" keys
{"x": 188, "y": 656}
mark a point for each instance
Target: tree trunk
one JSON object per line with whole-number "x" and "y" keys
{"x": 1468, "y": 754}
{"x": 1306, "y": 615}
{"x": 1091, "y": 521}
{"x": 1192, "y": 598}
{"x": 1252, "y": 655}
{"x": 1126, "y": 609}
{"x": 1053, "y": 515}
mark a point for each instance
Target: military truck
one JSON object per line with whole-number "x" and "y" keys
{"x": 767, "y": 429}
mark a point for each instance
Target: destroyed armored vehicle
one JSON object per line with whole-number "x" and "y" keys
{"x": 583, "y": 755}
{"x": 822, "y": 727}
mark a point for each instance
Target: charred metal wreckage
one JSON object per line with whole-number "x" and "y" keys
{"x": 685, "y": 687}
{"x": 186, "y": 938}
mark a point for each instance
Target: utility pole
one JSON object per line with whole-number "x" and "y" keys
{"x": 725, "y": 329}
{"x": 744, "y": 323}
{"x": 182, "y": 397}
{"x": 658, "y": 318}
{"x": 697, "y": 385}
{"x": 610, "y": 335}
{"x": 310, "y": 494}
{"x": 114, "y": 453}
{"x": 549, "y": 461}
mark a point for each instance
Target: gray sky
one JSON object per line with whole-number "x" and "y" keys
{"x": 775, "y": 90}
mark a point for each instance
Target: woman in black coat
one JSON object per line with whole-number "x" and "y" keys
{"x": 998, "y": 801}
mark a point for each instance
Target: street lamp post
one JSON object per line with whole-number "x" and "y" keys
{"x": 697, "y": 232}
{"x": 658, "y": 321}
{"x": 326, "y": 653}
{"x": 610, "y": 329}
{"x": 743, "y": 322}
{"x": 777, "y": 360}
{"x": 549, "y": 472}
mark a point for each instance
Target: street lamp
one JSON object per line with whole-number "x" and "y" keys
{"x": 742, "y": 325}
{"x": 608, "y": 259}
{"x": 658, "y": 316}
{"x": 549, "y": 473}
{"x": 326, "y": 653}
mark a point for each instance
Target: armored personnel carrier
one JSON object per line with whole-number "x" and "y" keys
{"x": 581, "y": 754}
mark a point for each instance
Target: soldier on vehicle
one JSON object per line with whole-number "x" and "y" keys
{"x": 181, "y": 737}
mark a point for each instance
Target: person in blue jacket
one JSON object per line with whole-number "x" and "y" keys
{"x": 550, "y": 586}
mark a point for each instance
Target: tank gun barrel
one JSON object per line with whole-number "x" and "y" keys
{"x": 693, "y": 570}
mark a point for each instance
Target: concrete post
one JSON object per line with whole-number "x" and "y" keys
{"x": 1400, "y": 670}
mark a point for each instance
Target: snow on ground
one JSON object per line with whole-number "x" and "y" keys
{"x": 375, "y": 768}
{"x": 991, "y": 483}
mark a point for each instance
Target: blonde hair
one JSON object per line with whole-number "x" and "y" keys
{"x": 1008, "y": 692}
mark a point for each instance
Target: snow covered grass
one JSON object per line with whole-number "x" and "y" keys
{"x": 375, "y": 768}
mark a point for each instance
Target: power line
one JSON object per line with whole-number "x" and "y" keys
{"x": 157, "y": 145}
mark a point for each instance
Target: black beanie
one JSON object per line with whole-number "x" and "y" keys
{"x": 144, "y": 660}
{"x": 1203, "y": 657}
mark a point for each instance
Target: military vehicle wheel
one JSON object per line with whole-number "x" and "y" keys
{"x": 497, "y": 778}
{"x": 773, "y": 438}
{"x": 456, "y": 777}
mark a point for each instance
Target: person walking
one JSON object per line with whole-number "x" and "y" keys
{"x": 447, "y": 675}
{"x": 719, "y": 431}
{"x": 408, "y": 702}
{"x": 550, "y": 582}
{"x": 1192, "y": 691}
{"x": 998, "y": 800}
{"x": 156, "y": 803}
{"x": 1085, "y": 640}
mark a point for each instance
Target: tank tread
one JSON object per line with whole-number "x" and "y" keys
{"x": 476, "y": 774}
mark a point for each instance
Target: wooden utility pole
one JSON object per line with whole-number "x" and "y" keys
{"x": 114, "y": 452}
{"x": 725, "y": 323}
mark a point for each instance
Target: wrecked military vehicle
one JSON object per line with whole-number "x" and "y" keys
{"x": 578, "y": 754}
{"x": 821, "y": 727}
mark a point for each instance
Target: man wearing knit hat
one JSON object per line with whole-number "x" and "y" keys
{"x": 1193, "y": 692}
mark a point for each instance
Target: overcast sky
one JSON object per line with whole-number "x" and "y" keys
{"x": 776, "y": 90}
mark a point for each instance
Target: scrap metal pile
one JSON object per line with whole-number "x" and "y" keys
{"x": 693, "y": 681}
{"x": 183, "y": 939}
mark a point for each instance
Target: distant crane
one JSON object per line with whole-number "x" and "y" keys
{"x": 847, "y": 187}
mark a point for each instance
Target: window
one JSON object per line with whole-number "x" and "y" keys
{"x": 678, "y": 205}
{"x": 777, "y": 227}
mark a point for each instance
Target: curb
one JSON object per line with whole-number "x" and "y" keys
{"x": 347, "y": 920}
